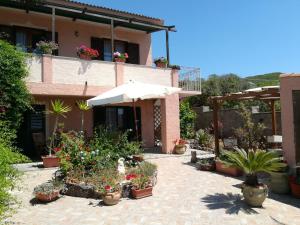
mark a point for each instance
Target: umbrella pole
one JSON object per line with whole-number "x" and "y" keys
{"x": 135, "y": 121}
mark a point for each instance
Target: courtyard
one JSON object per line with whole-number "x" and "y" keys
{"x": 183, "y": 195}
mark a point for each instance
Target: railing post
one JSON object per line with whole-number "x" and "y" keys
{"x": 167, "y": 47}
{"x": 53, "y": 24}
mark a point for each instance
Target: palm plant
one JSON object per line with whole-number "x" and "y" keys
{"x": 58, "y": 110}
{"x": 83, "y": 107}
{"x": 252, "y": 162}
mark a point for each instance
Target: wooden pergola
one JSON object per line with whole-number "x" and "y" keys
{"x": 268, "y": 94}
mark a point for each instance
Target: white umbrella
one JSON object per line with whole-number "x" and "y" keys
{"x": 131, "y": 92}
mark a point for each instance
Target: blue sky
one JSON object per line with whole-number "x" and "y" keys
{"x": 246, "y": 37}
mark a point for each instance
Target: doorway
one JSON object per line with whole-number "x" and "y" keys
{"x": 296, "y": 107}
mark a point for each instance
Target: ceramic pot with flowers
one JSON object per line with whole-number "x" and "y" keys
{"x": 86, "y": 53}
{"x": 111, "y": 197}
{"x": 180, "y": 146}
{"x": 141, "y": 186}
{"x": 120, "y": 57}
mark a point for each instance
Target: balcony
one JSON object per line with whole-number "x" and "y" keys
{"x": 57, "y": 75}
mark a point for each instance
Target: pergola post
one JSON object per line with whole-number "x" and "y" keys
{"x": 274, "y": 122}
{"x": 216, "y": 125}
{"x": 53, "y": 24}
{"x": 112, "y": 37}
{"x": 167, "y": 46}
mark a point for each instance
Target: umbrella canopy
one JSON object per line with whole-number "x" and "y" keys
{"x": 132, "y": 91}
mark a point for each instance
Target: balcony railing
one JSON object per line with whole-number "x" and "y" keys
{"x": 190, "y": 79}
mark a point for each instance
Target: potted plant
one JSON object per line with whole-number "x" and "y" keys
{"x": 110, "y": 187}
{"x": 180, "y": 146}
{"x": 46, "y": 47}
{"x": 161, "y": 62}
{"x": 48, "y": 191}
{"x": 279, "y": 180}
{"x": 86, "y": 53}
{"x": 253, "y": 162}
{"x": 207, "y": 164}
{"x": 222, "y": 167}
{"x": 147, "y": 169}
{"x": 174, "y": 67}
{"x": 120, "y": 57}
{"x": 295, "y": 183}
{"x": 58, "y": 110}
{"x": 83, "y": 107}
{"x": 141, "y": 186}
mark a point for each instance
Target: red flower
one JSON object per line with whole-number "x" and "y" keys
{"x": 107, "y": 188}
{"x": 56, "y": 149}
{"x": 131, "y": 176}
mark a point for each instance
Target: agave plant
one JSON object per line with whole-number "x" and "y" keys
{"x": 83, "y": 107}
{"x": 252, "y": 162}
{"x": 58, "y": 110}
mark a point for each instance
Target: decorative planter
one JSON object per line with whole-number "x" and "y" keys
{"x": 295, "y": 188}
{"x": 138, "y": 158}
{"x": 279, "y": 182}
{"x": 50, "y": 161}
{"x": 161, "y": 64}
{"x": 120, "y": 60}
{"x": 85, "y": 57}
{"x": 180, "y": 149}
{"x": 232, "y": 171}
{"x": 47, "y": 197}
{"x": 112, "y": 198}
{"x": 206, "y": 167}
{"x": 141, "y": 193}
{"x": 255, "y": 196}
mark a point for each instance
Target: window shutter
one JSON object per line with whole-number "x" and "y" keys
{"x": 98, "y": 44}
{"x": 133, "y": 51}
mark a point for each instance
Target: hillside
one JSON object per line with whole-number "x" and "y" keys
{"x": 264, "y": 79}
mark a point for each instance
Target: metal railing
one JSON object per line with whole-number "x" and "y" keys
{"x": 190, "y": 79}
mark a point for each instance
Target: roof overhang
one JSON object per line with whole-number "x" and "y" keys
{"x": 83, "y": 12}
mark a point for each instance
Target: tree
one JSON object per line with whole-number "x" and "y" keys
{"x": 83, "y": 107}
{"x": 15, "y": 99}
{"x": 187, "y": 120}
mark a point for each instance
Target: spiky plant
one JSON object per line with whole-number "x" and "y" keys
{"x": 253, "y": 162}
{"x": 83, "y": 107}
{"x": 58, "y": 110}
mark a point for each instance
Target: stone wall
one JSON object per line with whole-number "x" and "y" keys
{"x": 231, "y": 119}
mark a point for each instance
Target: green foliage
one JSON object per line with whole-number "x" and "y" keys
{"x": 250, "y": 135}
{"x": 141, "y": 182}
{"x": 82, "y": 105}
{"x": 146, "y": 168}
{"x": 187, "y": 120}
{"x": 268, "y": 79}
{"x": 204, "y": 138}
{"x": 48, "y": 187}
{"x": 252, "y": 162}
{"x": 14, "y": 96}
{"x": 107, "y": 181}
{"x": 46, "y": 47}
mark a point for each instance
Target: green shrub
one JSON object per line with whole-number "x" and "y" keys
{"x": 204, "y": 138}
{"x": 187, "y": 120}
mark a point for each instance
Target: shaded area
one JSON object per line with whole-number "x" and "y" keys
{"x": 232, "y": 203}
{"x": 286, "y": 199}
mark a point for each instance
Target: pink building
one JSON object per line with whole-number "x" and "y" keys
{"x": 64, "y": 76}
{"x": 290, "y": 117}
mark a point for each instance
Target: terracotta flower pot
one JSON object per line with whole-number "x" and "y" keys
{"x": 85, "y": 57}
{"x": 161, "y": 64}
{"x": 295, "y": 188}
{"x": 50, "y": 161}
{"x": 112, "y": 198}
{"x": 47, "y": 197}
{"x": 120, "y": 60}
{"x": 138, "y": 158}
{"x": 232, "y": 171}
{"x": 180, "y": 149}
{"x": 255, "y": 196}
{"x": 141, "y": 193}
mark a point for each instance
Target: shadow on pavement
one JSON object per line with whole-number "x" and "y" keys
{"x": 232, "y": 203}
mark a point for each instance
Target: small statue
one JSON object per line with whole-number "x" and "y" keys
{"x": 121, "y": 166}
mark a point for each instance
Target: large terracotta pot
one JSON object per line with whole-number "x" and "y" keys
{"x": 50, "y": 161}
{"x": 232, "y": 171}
{"x": 255, "y": 196}
{"x": 142, "y": 193}
{"x": 279, "y": 182}
{"x": 180, "y": 149}
{"x": 47, "y": 197}
{"x": 295, "y": 188}
{"x": 161, "y": 65}
{"x": 112, "y": 198}
{"x": 206, "y": 166}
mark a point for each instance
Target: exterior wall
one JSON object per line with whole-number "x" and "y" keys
{"x": 288, "y": 83}
{"x": 66, "y": 29}
{"x": 231, "y": 120}
{"x": 35, "y": 69}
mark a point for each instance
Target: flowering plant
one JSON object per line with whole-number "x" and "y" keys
{"x": 46, "y": 47}
{"x": 180, "y": 141}
{"x": 121, "y": 56}
{"x": 109, "y": 181}
{"x": 141, "y": 182}
{"x": 87, "y": 53}
{"x": 161, "y": 60}
{"x": 131, "y": 176}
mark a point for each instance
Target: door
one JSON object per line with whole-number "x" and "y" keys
{"x": 296, "y": 107}
{"x": 31, "y": 135}
{"x": 117, "y": 118}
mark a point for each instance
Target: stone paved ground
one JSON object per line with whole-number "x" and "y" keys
{"x": 183, "y": 196}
